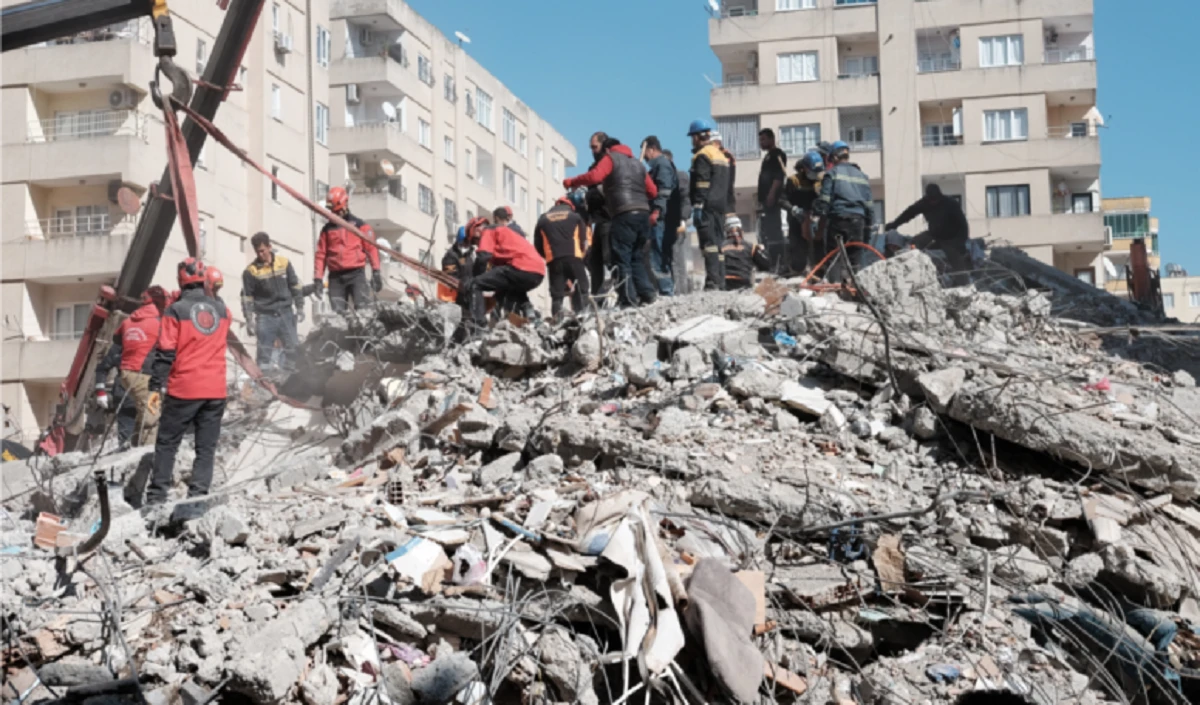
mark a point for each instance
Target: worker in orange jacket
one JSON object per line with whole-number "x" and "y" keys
{"x": 130, "y": 353}
{"x": 346, "y": 257}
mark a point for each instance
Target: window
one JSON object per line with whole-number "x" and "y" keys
{"x": 448, "y": 150}
{"x": 424, "y": 133}
{"x": 541, "y": 208}
{"x": 202, "y": 236}
{"x": 555, "y": 173}
{"x": 83, "y": 220}
{"x": 1007, "y": 201}
{"x": 484, "y": 109}
{"x": 940, "y": 135}
{"x": 1128, "y": 225}
{"x": 509, "y": 128}
{"x": 1081, "y": 203}
{"x": 470, "y": 104}
{"x": 1194, "y": 299}
{"x": 425, "y": 199}
{"x": 322, "y": 191}
{"x": 424, "y": 69}
{"x": 524, "y": 198}
{"x": 70, "y": 320}
{"x": 797, "y": 67}
{"x": 541, "y": 158}
{"x": 1168, "y": 301}
{"x": 201, "y": 56}
{"x": 448, "y": 90}
{"x": 468, "y": 164}
{"x": 324, "y": 45}
{"x": 322, "y": 125}
{"x": 450, "y": 214}
{"x": 524, "y": 142}
{"x": 510, "y": 185}
{"x": 798, "y": 139}
{"x": 740, "y": 135}
{"x": 864, "y": 139}
{"x": 275, "y": 17}
{"x": 1086, "y": 274}
{"x": 1005, "y": 125}
{"x": 786, "y": 5}
{"x": 1002, "y": 51}
{"x": 275, "y": 186}
{"x": 276, "y": 101}
{"x": 860, "y": 66}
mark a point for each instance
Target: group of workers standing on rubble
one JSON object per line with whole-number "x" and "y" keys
{"x": 623, "y": 216}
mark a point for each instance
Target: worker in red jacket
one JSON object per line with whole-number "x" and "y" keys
{"x": 189, "y": 363}
{"x": 506, "y": 264}
{"x": 346, "y": 256}
{"x": 130, "y": 354}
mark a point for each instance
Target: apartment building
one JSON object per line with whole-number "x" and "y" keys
{"x": 426, "y": 138}
{"x": 1128, "y": 219}
{"x": 78, "y": 125}
{"x": 993, "y": 101}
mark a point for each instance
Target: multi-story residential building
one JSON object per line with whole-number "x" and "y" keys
{"x": 78, "y": 125}
{"x": 426, "y": 137}
{"x": 993, "y": 101}
{"x": 1129, "y": 219}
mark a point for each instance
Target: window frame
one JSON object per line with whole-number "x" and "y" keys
{"x": 999, "y": 189}
{"x": 277, "y": 102}
{"x": 483, "y": 110}
{"x": 321, "y": 123}
{"x": 790, "y": 56}
{"x": 785, "y": 142}
{"x": 1010, "y": 40}
{"x": 1009, "y": 120}
{"x": 424, "y": 133}
{"x": 77, "y": 328}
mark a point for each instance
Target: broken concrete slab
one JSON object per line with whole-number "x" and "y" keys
{"x": 267, "y": 663}
{"x": 940, "y": 386}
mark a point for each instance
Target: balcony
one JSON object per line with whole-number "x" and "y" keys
{"x": 381, "y": 140}
{"x": 52, "y": 254}
{"x": 42, "y": 360}
{"x": 947, "y": 154}
{"x": 380, "y": 77}
{"x": 1069, "y": 55}
{"x": 945, "y": 12}
{"x": 938, "y": 64}
{"x": 1060, "y": 230}
{"x": 112, "y": 56}
{"x": 386, "y": 210}
{"x": 768, "y": 25}
{"x": 753, "y": 98}
{"x": 386, "y": 15}
{"x": 98, "y": 144}
{"x": 1007, "y": 80}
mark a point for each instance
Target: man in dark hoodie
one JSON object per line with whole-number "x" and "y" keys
{"x": 663, "y": 173}
{"x": 947, "y": 231}
{"x": 628, "y": 192}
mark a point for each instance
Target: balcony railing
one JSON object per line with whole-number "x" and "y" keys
{"x": 88, "y": 124}
{"x": 1071, "y": 55}
{"x": 857, "y": 74}
{"x": 941, "y": 140}
{"x": 78, "y": 226}
{"x": 937, "y": 64}
{"x": 874, "y": 145}
{"x": 1076, "y": 130}
{"x": 139, "y": 30}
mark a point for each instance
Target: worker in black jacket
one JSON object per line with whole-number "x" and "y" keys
{"x": 675, "y": 239}
{"x": 709, "y": 191}
{"x": 662, "y": 173}
{"x": 562, "y": 237}
{"x": 273, "y": 304}
{"x": 947, "y": 231}
{"x": 741, "y": 258}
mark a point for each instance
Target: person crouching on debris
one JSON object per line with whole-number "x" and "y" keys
{"x": 131, "y": 351}
{"x": 948, "y": 231}
{"x": 273, "y": 303}
{"x": 506, "y": 264}
{"x": 741, "y": 259}
{"x": 457, "y": 262}
{"x": 562, "y": 238}
{"x": 346, "y": 255}
{"x": 190, "y": 363}
{"x": 805, "y": 248}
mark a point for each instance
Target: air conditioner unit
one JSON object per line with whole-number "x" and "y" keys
{"x": 283, "y": 43}
{"x": 352, "y": 163}
{"x": 352, "y": 93}
{"x": 366, "y": 36}
{"x": 1108, "y": 235}
{"x": 123, "y": 99}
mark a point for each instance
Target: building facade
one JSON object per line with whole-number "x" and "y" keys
{"x": 78, "y": 125}
{"x": 993, "y": 101}
{"x": 1129, "y": 219}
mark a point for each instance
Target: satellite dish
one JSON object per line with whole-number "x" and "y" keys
{"x": 387, "y": 167}
{"x": 128, "y": 200}
{"x": 714, "y": 6}
{"x": 462, "y": 38}
{"x": 389, "y": 110}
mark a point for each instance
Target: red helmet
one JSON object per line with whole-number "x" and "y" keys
{"x": 191, "y": 271}
{"x": 475, "y": 227}
{"x": 337, "y": 200}
{"x": 155, "y": 295}
{"x": 213, "y": 281}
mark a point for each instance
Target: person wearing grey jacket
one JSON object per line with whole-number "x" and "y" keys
{"x": 846, "y": 203}
{"x": 663, "y": 173}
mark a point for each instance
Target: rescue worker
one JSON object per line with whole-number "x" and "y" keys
{"x": 628, "y": 192}
{"x": 731, "y": 199}
{"x": 710, "y": 179}
{"x": 346, "y": 256}
{"x": 600, "y": 256}
{"x": 130, "y": 353}
{"x": 504, "y": 216}
{"x": 679, "y": 216}
{"x": 214, "y": 281}
{"x": 506, "y": 264}
{"x": 189, "y": 362}
{"x": 741, "y": 259}
{"x": 562, "y": 238}
{"x": 662, "y": 172}
{"x": 846, "y": 203}
{"x": 771, "y": 177}
{"x": 947, "y": 230}
{"x": 272, "y": 302}
{"x": 806, "y": 246}
{"x": 457, "y": 263}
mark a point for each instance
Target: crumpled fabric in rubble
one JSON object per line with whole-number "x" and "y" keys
{"x": 721, "y": 613}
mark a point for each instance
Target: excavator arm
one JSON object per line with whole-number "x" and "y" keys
{"x": 44, "y": 20}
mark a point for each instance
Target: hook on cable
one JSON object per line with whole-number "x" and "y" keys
{"x": 181, "y": 83}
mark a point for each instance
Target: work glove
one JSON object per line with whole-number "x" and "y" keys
{"x": 653, "y": 218}
{"x": 251, "y": 328}
{"x": 319, "y": 287}
{"x": 797, "y": 212}
{"x": 102, "y": 399}
{"x": 300, "y": 314}
{"x": 154, "y": 403}
{"x": 376, "y": 281}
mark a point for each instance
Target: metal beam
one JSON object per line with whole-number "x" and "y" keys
{"x": 43, "y": 20}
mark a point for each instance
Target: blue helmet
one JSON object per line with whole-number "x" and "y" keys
{"x": 812, "y": 164}
{"x": 462, "y": 235}
{"x": 699, "y": 126}
{"x": 578, "y": 198}
{"x": 838, "y": 146}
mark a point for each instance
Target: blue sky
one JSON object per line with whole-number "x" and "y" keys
{"x": 637, "y": 67}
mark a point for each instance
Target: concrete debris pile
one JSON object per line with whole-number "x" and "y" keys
{"x": 769, "y": 496}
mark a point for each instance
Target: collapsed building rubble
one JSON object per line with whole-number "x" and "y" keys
{"x": 726, "y": 497}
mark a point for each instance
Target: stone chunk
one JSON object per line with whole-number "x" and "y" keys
{"x": 756, "y": 382}
{"x": 498, "y": 470}
{"x": 906, "y": 289}
{"x": 317, "y": 524}
{"x": 940, "y": 386}
{"x": 1021, "y": 565}
{"x": 266, "y": 664}
{"x": 394, "y": 428}
{"x": 689, "y": 363}
{"x": 441, "y": 680}
{"x": 924, "y": 423}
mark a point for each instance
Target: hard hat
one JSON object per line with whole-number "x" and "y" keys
{"x": 838, "y": 147}
{"x": 699, "y": 126}
{"x": 338, "y": 199}
{"x": 475, "y": 227}
{"x": 155, "y": 295}
{"x": 461, "y": 237}
{"x": 732, "y": 222}
{"x": 578, "y": 199}
{"x": 824, "y": 149}
{"x": 812, "y": 164}
{"x": 213, "y": 281}
{"x": 191, "y": 271}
